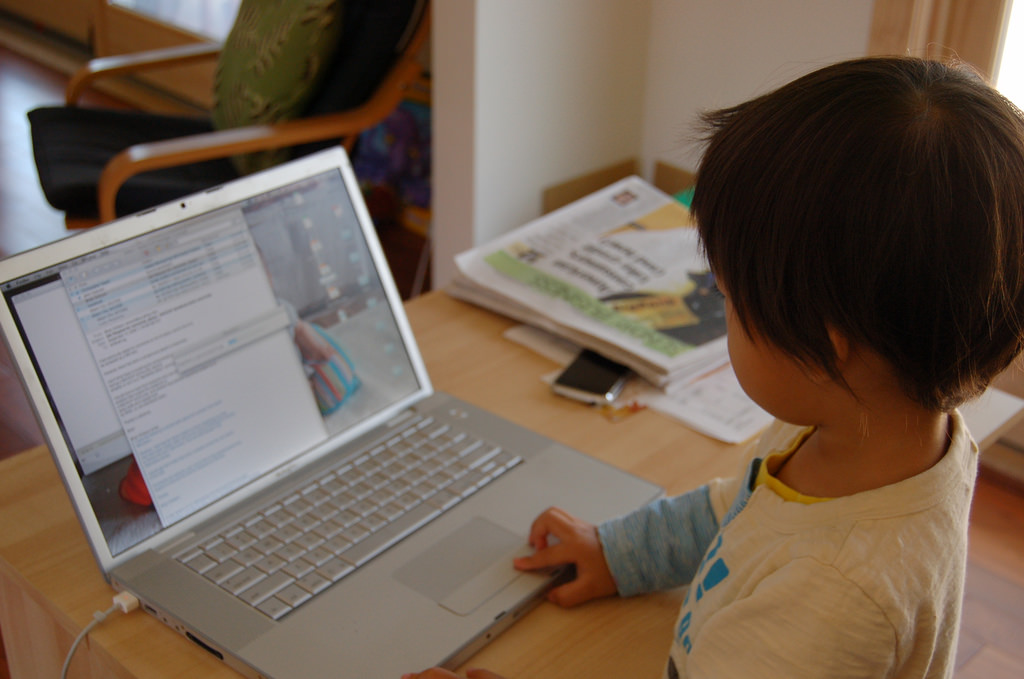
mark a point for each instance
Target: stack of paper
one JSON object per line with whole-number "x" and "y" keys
{"x": 619, "y": 271}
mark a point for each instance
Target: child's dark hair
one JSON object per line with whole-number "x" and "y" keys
{"x": 882, "y": 198}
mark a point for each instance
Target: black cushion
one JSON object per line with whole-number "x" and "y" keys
{"x": 370, "y": 42}
{"x": 71, "y": 146}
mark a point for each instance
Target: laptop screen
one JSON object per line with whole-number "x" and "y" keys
{"x": 185, "y": 362}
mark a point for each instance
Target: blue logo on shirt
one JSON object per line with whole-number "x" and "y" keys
{"x": 713, "y": 575}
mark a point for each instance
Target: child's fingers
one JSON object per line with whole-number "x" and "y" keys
{"x": 574, "y": 540}
{"x": 554, "y": 522}
{"x": 556, "y": 555}
{"x": 571, "y": 594}
{"x": 550, "y": 522}
{"x": 577, "y": 543}
{"x": 593, "y": 580}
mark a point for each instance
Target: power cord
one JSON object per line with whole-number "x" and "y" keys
{"x": 123, "y": 601}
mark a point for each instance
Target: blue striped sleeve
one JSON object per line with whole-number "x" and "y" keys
{"x": 661, "y": 545}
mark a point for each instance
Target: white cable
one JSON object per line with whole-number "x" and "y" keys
{"x": 123, "y": 601}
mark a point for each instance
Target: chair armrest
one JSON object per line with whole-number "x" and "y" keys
{"x": 223, "y": 143}
{"x": 136, "y": 61}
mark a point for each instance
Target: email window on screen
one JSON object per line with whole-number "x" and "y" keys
{"x": 184, "y": 330}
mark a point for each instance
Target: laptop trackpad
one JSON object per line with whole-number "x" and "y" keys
{"x": 466, "y": 568}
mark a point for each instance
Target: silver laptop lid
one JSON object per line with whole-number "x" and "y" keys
{"x": 199, "y": 351}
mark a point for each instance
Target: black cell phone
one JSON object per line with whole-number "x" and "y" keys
{"x": 591, "y": 378}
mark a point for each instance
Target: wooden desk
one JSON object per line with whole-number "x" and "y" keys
{"x": 50, "y": 584}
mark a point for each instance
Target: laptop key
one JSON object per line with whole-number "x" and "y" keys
{"x": 361, "y": 490}
{"x": 249, "y": 556}
{"x": 368, "y": 548}
{"x": 347, "y": 518}
{"x": 374, "y": 522}
{"x": 201, "y": 563}
{"x": 337, "y": 544}
{"x": 381, "y": 497}
{"x": 467, "y": 485}
{"x": 209, "y": 544}
{"x": 261, "y": 528}
{"x": 408, "y": 500}
{"x": 243, "y": 580}
{"x": 444, "y": 499}
{"x": 266, "y": 587}
{"x": 440, "y": 430}
{"x": 364, "y": 508}
{"x": 274, "y": 607}
{"x": 345, "y": 500}
{"x": 466, "y": 446}
{"x": 335, "y": 569}
{"x": 447, "y": 457}
{"x": 508, "y": 460}
{"x": 317, "y": 496}
{"x": 308, "y": 541}
{"x": 298, "y": 568}
{"x": 298, "y": 506}
{"x": 355, "y": 533}
{"x": 325, "y": 511}
{"x": 386, "y": 456}
{"x": 288, "y": 533}
{"x": 320, "y": 555}
{"x": 293, "y": 595}
{"x": 221, "y": 552}
{"x": 270, "y": 563}
{"x": 328, "y": 529}
{"x": 335, "y": 486}
{"x": 306, "y": 522}
{"x": 278, "y": 517}
{"x": 223, "y": 571}
{"x": 480, "y": 456}
{"x": 268, "y": 545}
{"x": 241, "y": 540}
{"x": 390, "y": 511}
{"x": 314, "y": 583}
{"x": 290, "y": 552}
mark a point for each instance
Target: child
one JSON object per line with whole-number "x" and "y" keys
{"x": 866, "y": 226}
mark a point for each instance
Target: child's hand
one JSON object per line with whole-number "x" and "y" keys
{"x": 438, "y": 673}
{"x": 578, "y": 544}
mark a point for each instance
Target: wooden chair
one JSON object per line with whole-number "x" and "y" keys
{"x": 142, "y": 173}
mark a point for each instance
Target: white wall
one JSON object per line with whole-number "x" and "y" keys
{"x": 529, "y": 93}
{"x": 453, "y": 108}
{"x": 707, "y": 54}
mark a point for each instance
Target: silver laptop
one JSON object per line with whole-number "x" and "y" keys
{"x": 239, "y": 411}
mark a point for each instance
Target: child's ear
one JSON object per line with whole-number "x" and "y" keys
{"x": 840, "y": 345}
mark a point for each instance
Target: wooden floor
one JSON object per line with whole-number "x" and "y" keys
{"x": 992, "y": 636}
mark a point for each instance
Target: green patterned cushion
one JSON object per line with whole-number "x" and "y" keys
{"x": 273, "y": 59}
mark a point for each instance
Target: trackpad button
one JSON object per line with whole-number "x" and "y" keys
{"x": 467, "y": 567}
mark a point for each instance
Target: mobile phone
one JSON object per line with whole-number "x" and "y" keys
{"x": 591, "y": 378}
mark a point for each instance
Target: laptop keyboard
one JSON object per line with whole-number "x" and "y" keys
{"x": 291, "y": 550}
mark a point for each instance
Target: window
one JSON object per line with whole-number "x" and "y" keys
{"x": 1009, "y": 77}
{"x": 208, "y": 18}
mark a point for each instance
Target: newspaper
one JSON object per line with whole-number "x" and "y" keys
{"x": 619, "y": 271}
